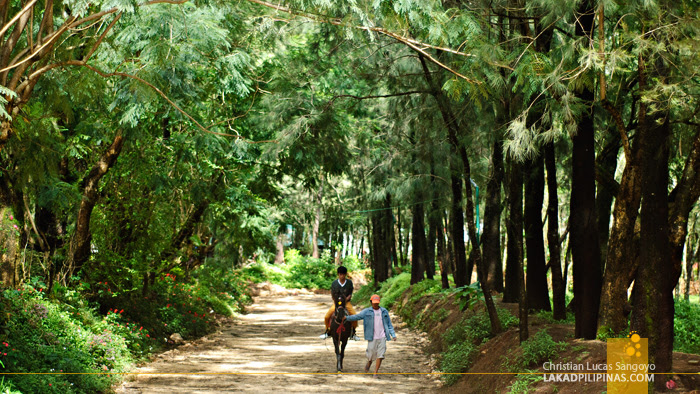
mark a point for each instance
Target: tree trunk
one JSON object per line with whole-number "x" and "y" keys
{"x": 418, "y": 241}
{"x": 442, "y": 258}
{"x": 585, "y": 249}
{"x": 684, "y": 197}
{"x": 451, "y": 123}
{"x": 491, "y": 239}
{"x": 622, "y": 256}
{"x": 279, "y": 257}
{"x": 457, "y": 229}
{"x": 652, "y": 316}
{"x": 536, "y": 283}
{"x": 449, "y": 249}
{"x": 402, "y": 258}
{"x": 481, "y": 269}
{"x": 606, "y": 163}
{"x": 178, "y": 241}
{"x": 406, "y": 244}
{"x": 394, "y": 253}
{"x": 79, "y": 250}
{"x": 317, "y": 220}
{"x": 381, "y": 246}
{"x": 558, "y": 289}
{"x": 514, "y": 230}
{"x": 689, "y": 254}
{"x": 433, "y": 225}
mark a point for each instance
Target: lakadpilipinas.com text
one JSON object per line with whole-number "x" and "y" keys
{"x": 585, "y": 372}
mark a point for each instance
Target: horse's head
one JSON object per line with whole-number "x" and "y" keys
{"x": 340, "y": 311}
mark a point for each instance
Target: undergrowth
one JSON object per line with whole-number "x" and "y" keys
{"x": 686, "y": 326}
{"x": 93, "y": 332}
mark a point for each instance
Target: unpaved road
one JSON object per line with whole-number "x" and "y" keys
{"x": 275, "y": 347}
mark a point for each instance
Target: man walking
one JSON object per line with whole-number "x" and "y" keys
{"x": 378, "y": 329}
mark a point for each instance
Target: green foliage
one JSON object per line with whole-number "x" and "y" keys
{"x": 686, "y": 326}
{"x": 439, "y": 315}
{"x": 476, "y": 329}
{"x": 6, "y": 387}
{"x": 548, "y": 317}
{"x": 43, "y": 336}
{"x": 473, "y": 329}
{"x": 424, "y": 287}
{"x": 361, "y": 296}
{"x": 297, "y": 272}
{"x": 393, "y": 288}
{"x": 522, "y": 383}
{"x": 69, "y": 334}
{"x": 605, "y": 332}
{"x": 540, "y": 348}
{"x": 309, "y": 273}
{"x": 458, "y": 358}
{"x": 5, "y": 93}
{"x": 353, "y": 263}
{"x": 469, "y": 295}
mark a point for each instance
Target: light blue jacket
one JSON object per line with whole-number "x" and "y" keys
{"x": 367, "y": 317}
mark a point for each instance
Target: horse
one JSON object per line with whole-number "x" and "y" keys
{"x": 340, "y": 331}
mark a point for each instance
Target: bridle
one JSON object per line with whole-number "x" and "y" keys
{"x": 340, "y": 314}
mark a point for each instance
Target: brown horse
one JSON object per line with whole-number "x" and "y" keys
{"x": 340, "y": 331}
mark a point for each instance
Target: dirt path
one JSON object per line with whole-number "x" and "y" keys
{"x": 276, "y": 347}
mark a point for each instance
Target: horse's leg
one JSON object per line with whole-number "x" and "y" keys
{"x": 338, "y": 357}
{"x": 342, "y": 350}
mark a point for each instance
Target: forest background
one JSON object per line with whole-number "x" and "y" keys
{"x": 149, "y": 149}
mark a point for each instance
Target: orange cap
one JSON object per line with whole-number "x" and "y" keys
{"x": 374, "y": 299}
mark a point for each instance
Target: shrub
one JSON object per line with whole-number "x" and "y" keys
{"x": 477, "y": 328}
{"x": 353, "y": 263}
{"x": 297, "y": 272}
{"x": 310, "y": 273}
{"x": 686, "y": 325}
{"x": 361, "y": 295}
{"x": 469, "y": 295}
{"x": 43, "y": 336}
{"x": 540, "y": 348}
{"x": 458, "y": 358}
{"x": 522, "y": 382}
{"x": 439, "y": 315}
{"x": 393, "y": 287}
{"x": 424, "y": 287}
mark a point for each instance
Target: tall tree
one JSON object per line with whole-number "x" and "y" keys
{"x": 558, "y": 288}
{"x": 585, "y": 249}
{"x": 491, "y": 239}
{"x": 536, "y": 282}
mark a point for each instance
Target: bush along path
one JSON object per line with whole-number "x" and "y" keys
{"x": 276, "y": 346}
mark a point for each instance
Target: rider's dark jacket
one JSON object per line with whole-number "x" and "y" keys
{"x": 337, "y": 289}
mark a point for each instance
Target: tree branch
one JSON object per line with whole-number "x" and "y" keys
{"x": 331, "y": 101}
{"x": 102, "y": 37}
{"x": 16, "y": 18}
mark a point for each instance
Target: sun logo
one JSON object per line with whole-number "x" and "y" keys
{"x": 633, "y": 346}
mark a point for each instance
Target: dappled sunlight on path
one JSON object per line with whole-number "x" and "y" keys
{"x": 276, "y": 347}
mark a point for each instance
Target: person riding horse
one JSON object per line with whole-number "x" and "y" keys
{"x": 340, "y": 330}
{"x": 341, "y": 287}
